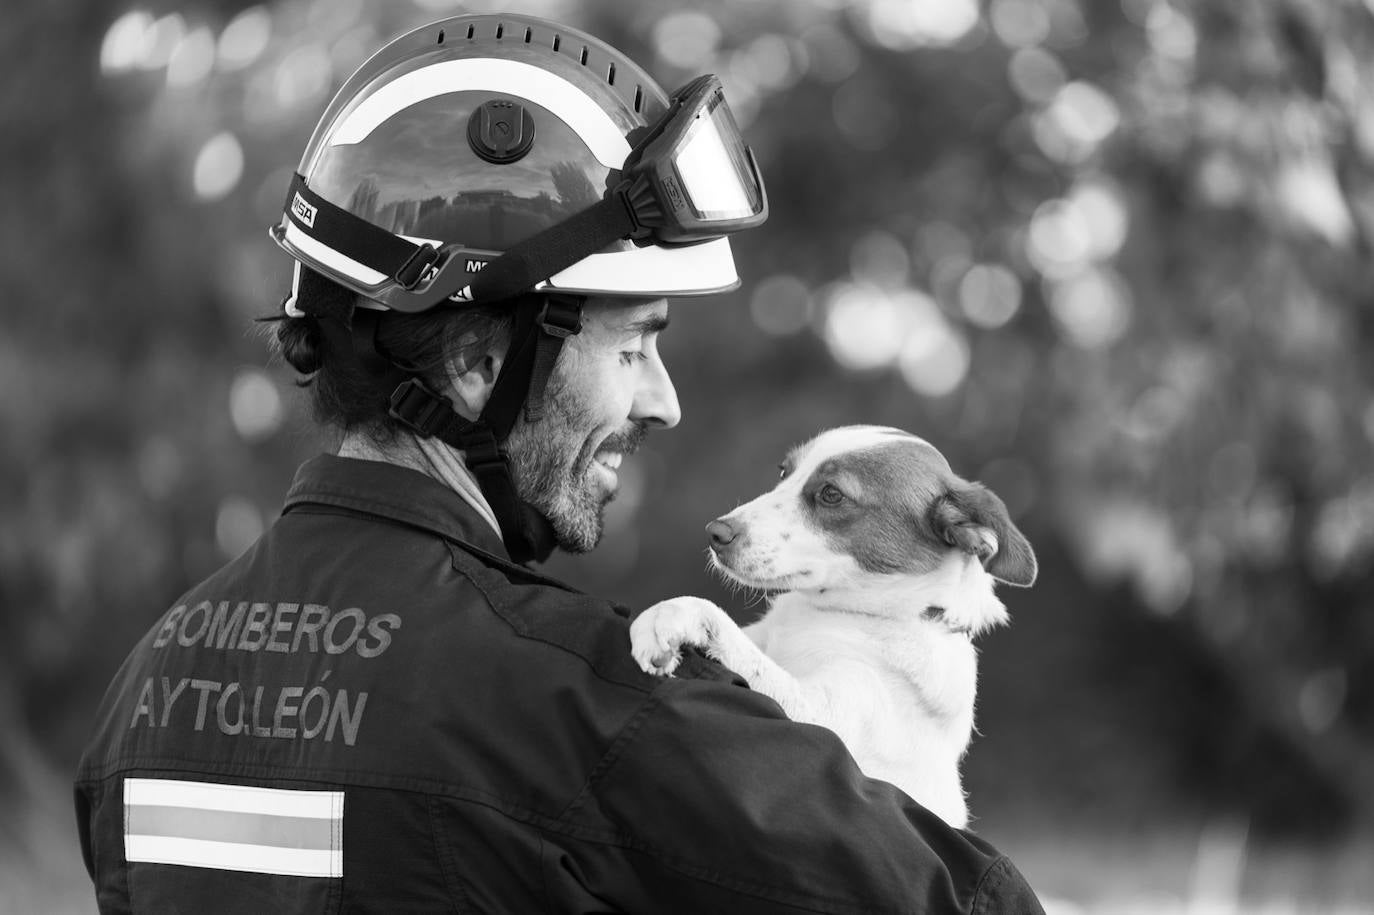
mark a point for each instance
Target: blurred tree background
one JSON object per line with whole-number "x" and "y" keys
{"x": 1114, "y": 258}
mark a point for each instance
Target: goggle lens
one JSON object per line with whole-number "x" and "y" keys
{"x": 713, "y": 165}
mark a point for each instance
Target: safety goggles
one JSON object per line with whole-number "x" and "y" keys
{"x": 690, "y": 179}
{"x": 693, "y": 178}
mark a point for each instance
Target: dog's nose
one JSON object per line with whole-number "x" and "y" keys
{"x": 722, "y": 534}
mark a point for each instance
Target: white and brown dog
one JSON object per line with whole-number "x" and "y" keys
{"x": 887, "y": 561}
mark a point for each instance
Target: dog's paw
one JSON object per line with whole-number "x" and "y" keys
{"x": 658, "y": 634}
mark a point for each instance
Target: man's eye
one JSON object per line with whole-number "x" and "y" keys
{"x": 631, "y": 356}
{"x": 782, "y": 471}
{"x": 829, "y": 495}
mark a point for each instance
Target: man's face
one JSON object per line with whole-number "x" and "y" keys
{"x": 608, "y": 388}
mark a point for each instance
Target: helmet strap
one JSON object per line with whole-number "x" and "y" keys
{"x": 542, "y": 325}
{"x": 418, "y": 270}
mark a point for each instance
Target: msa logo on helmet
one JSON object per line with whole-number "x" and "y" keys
{"x": 674, "y": 192}
{"x": 432, "y": 272}
{"x": 303, "y": 211}
{"x": 465, "y": 294}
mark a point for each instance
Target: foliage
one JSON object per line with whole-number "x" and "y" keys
{"x": 1112, "y": 259}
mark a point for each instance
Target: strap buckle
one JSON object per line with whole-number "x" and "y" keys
{"x": 417, "y": 407}
{"x": 561, "y": 317}
{"x": 481, "y": 452}
{"x": 416, "y": 266}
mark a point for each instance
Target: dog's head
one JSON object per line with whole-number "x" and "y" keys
{"x": 860, "y": 505}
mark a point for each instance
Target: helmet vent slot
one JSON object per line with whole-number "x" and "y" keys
{"x": 441, "y": 37}
{"x": 471, "y": 31}
{"x": 639, "y": 97}
{"x": 610, "y": 75}
{"x": 500, "y": 30}
{"x": 583, "y": 59}
{"x": 529, "y": 33}
{"x": 557, "y": 40}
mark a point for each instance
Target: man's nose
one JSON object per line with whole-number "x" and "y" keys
{"x": 722, "y": 532}
{"x": 656, "y": 400}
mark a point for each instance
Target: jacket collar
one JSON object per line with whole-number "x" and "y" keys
{"x": 395, "y": 493}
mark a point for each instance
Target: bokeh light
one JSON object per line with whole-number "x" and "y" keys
{"x": 1171, "y": 33}
{"x": 1092, "y": 309}
{"x": 303, "y": 76}
{"x": 879, "y": 258}
{"x": 1035, "y": 74}
{"x": 218, "y": 167}
{"x": 193, "y": 59}
{"x": 255, "y": 404}
{"x": 935, "y": 359}
{"x": 1076, "y": 122}
{"x": 1309, "y": 194}
{"x": 125, "y": 40}
{"x": 781, "y": 304}
{"x": 245, "y": 38}
{"x": 238, "y": 523}
{"x": 1060, "y": 241}
{"x": 1100, "y": 208}
{"x": 1020, "y": 23}
{"x": 686, "y": 39}
{"x": 989, "y": 295}
{"x": 903, "y": 24}
{"x": 160, "y": 41}
{"x": 865, "y": 326}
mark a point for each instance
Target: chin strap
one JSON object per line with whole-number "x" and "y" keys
{"x": 542, "y": 324}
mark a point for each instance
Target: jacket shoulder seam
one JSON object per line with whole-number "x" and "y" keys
{"x": 523, "y": 631}
{"x": 626, "y": 736}
{"x": 991, "y": 879}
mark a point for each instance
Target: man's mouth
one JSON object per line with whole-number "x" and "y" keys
{"x": 606, "y": 463}
{"x": 609, "y": 459}
{"x": 611, "y": 452}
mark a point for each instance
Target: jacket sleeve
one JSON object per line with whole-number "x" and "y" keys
{"x": 712, "y": 800}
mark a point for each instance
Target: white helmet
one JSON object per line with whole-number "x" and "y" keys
{"x": 479, "y": 134}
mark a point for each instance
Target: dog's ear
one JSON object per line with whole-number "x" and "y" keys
{"x": 971, "y": 517}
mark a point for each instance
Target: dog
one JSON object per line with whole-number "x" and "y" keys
{"x": 885, "y": 562}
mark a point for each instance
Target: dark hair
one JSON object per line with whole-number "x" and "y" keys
{"x": 345, "y": 392}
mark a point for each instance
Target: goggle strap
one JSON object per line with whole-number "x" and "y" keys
{"x": 356, "y": 238}
{"x": 554, "y": 249}
{"x": 515, "y": 271}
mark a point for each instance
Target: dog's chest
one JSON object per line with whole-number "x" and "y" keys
{"x": 911, "y": 680}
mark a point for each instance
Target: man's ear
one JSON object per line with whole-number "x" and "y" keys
{"x": 472, "y": 374}
{"x": 971, "y": 517}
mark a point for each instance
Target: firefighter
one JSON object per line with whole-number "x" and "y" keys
{"x": 380, "y": 706}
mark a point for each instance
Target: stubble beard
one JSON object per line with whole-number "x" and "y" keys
{"x": 552, "y": 464}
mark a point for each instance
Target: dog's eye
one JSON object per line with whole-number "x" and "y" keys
{"x": 829, "y": 495}
{"x": 782, "y": 471}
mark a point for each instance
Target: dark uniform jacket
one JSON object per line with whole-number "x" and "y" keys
{"x": 373, "y": 710}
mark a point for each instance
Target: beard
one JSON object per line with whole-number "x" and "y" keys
{"x": 552, "y": 459}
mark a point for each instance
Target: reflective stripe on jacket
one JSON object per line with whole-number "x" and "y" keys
{"x": 373, "y": 710}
